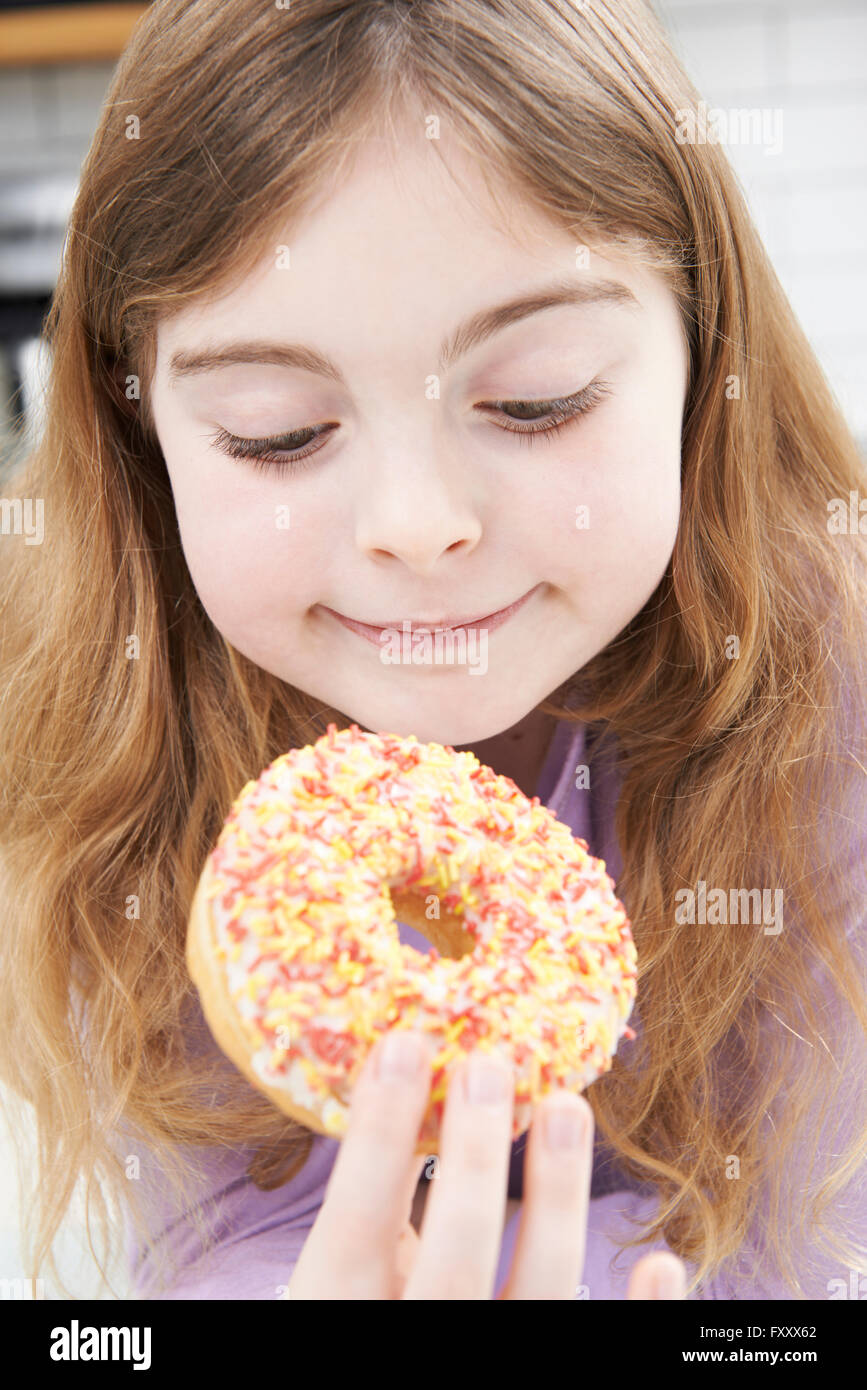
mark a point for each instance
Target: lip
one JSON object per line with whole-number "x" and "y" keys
{"x": 373, "y": 631}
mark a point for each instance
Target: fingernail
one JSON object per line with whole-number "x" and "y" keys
{"x": 485, "y": 1080}
{"x": 565, "y": 1126}
{"x": 401, "y": 1056}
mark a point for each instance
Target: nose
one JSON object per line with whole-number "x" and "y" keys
{"x": 416, "y": 514}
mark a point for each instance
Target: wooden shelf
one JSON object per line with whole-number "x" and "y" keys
{"x": 72, "y": 34}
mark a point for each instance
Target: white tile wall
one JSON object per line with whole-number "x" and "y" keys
{"x": 18, "y": 121}
{"x": 810, "y": 200}
{"x": 828, "y": 47}
{"x": 48, "y": 115}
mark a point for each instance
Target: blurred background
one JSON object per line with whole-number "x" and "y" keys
{"x": 809, "y": 201}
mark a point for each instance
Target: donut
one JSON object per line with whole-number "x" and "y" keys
{"x": 292, "y": 941}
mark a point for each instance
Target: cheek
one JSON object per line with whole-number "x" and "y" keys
{"x": 246, "y": 552}
{"x": 613, "y": 508}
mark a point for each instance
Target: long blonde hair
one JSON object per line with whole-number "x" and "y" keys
{"x": 116, "y": 773}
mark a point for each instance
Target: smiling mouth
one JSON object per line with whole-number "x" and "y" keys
{"x": 373, "y": 631}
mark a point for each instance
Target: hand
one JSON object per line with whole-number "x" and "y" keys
{"x": 362, "y": 1245}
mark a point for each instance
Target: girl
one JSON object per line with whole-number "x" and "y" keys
{"x": 332, "y": 268}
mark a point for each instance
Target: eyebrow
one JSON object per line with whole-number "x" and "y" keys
{"x": 470, "y": 334}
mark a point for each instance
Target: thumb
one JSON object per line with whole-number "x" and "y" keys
{"x": 661, "y": 1275}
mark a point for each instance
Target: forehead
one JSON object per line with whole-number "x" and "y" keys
{"x": 415, "y": 234}
{"x": 400, "y": 193}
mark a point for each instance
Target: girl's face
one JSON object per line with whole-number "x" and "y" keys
{"x": 397, "y": 344}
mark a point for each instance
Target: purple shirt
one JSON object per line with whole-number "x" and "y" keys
{"x": 260, "y": 1234}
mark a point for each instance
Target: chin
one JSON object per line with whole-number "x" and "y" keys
{"x": 450, "y": 722}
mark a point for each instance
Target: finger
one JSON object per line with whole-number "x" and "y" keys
{"x": 407, "y": 1253}
{"x": 657, "y": 1276}
{"x": 351, "y": 1249}
{"x": 552, "y": 1234}
{"x": 463, "y": 1221}
{"x": 407, "y": 1245}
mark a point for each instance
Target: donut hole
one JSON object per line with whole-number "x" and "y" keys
{"x": 447, "y": 931}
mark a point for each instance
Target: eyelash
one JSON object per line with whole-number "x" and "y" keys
{"x": 564, "y": 411}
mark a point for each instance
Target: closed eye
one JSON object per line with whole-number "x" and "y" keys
{"x": 262, "y": 452}
{"x": 556, "y": 413}
{"x": 527, "y": 419}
